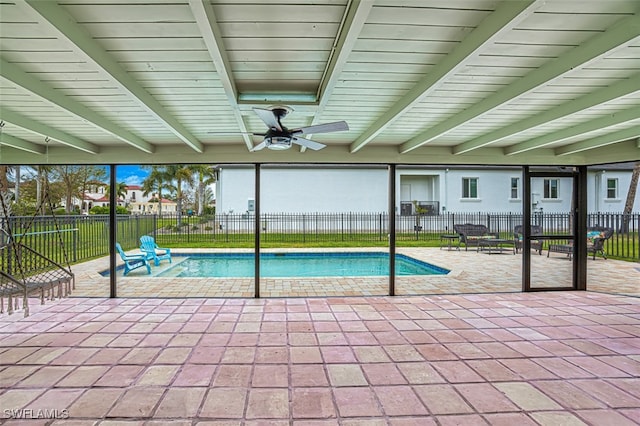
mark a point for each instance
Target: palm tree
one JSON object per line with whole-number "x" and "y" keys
{"x": 156, "y": 181}
{"x": 206, "y": 176}
{"x": 121, "y": 191}
{"x": 180, "y": 173}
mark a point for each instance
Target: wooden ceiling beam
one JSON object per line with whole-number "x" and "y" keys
{"x": 600, "y": 141}
{"x": 66, "y": 28}
{"x": 593, "y": 49}
{"x": 506, "y": 16}
{"x": 34, "y": 126}
{"x": 21, "y": 144}
{"x": 606, "y": 94}
{"x": 31, "y": 84}
{"x": 212, "y": 36}
{"x": 610, "y": 120}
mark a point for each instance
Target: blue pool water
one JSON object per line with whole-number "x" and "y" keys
{"x": 299, "y": 265}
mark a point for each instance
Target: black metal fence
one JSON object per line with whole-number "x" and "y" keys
{"x": 86, "y": 237}
{"x": 73, "y": 238}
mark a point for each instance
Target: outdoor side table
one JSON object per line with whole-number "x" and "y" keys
{"x": 448, "y": 239}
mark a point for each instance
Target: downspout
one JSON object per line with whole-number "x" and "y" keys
{"x": 446, "y": 189}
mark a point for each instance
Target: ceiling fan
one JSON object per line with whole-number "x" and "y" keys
{"x": 279, "y": 138}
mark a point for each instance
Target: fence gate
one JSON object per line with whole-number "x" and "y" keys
{"x": 553, "y": 258}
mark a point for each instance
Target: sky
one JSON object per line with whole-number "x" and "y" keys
{"x": 131, "y": 175}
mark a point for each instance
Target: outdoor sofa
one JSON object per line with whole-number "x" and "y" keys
{"x": 596, "y": 239}
{"x": 471, "y": 234}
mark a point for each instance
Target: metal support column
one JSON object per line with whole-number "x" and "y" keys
{"x": 526, "y": 227}
{"x": 392, "y": 229}
{"x": 580, "y": 215}
{"x": 113, "y": 201}
{"x": 256, "y": 198}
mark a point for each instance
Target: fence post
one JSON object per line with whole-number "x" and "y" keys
{"x": 154, "y": 221}
{"x": 75, "y": 238}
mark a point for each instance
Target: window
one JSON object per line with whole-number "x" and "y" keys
{"x": 514, "y": 188}
{"x": 469, "y": 187}
{"x": 612, "y": 188}
{"x": 551, "y": 188}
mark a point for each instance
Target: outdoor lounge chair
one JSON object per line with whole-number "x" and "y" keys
{"x": 535, "y": 244}
{"x": 148, "y": 245}
{"x": 596, "y": 238}
{"x": 133, "y": 261}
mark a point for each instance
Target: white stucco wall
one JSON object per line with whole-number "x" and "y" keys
{"x": 597, "y": 198}
{"x": 303, "y": 190}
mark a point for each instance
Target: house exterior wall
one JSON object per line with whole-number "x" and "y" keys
{"x": 135, "y": 195}
{"x": 149, "y": 207}
{"x": 599, "y": 199}
{"x": 303, "y": 190}
{"x": 331, "y": 190}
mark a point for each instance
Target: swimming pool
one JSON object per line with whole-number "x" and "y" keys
{"x": 298, "y": 265}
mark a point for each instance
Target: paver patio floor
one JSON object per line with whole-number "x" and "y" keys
{"x": 471, "y": 272}
{"x": 509, "y": 358}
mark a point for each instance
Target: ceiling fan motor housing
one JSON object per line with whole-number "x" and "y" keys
{"x": 278, "y": 140}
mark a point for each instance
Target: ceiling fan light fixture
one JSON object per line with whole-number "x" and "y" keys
{"x": 279, "y": 143}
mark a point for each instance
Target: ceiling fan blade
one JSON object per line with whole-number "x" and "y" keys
{"x": 338, "y": 126}
{"x": 307, "y": 143}
{"x": 235, "y": 133}
{"x": 260, "y": 146}
{"x": 269, "y": 118}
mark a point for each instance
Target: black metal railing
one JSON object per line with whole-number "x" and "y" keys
{"x": 86, "y": 237}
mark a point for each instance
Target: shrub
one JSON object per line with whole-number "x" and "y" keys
{"x": 105, "y": 210}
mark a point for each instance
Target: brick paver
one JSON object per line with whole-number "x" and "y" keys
{"x": 500, "y": 359}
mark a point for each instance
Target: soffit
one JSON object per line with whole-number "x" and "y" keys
{"x": 457, "y": 81}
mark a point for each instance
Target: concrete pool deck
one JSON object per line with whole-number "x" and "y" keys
{"x": 471, "y": 272}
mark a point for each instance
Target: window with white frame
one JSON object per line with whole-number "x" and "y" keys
{"x": 551, "y": 189}
{"x": 514, "y": 188}
{"x": 469, "y": 187}
{"x": 612, "y": 188}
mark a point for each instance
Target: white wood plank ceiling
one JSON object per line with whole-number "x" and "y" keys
{"x": 417, "y": 81}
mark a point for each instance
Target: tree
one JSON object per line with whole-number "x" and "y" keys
{"x": 4, "y": 193}
{"x": 180, "y": 173}
{"x": 155, "y": 182}
{"x": 92, "y": 175}
{"x": 121, "y": 191}
{"x": 72, "y": 179}
{"x": 206, "y": 176}
{"x": 631, "y": 197}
